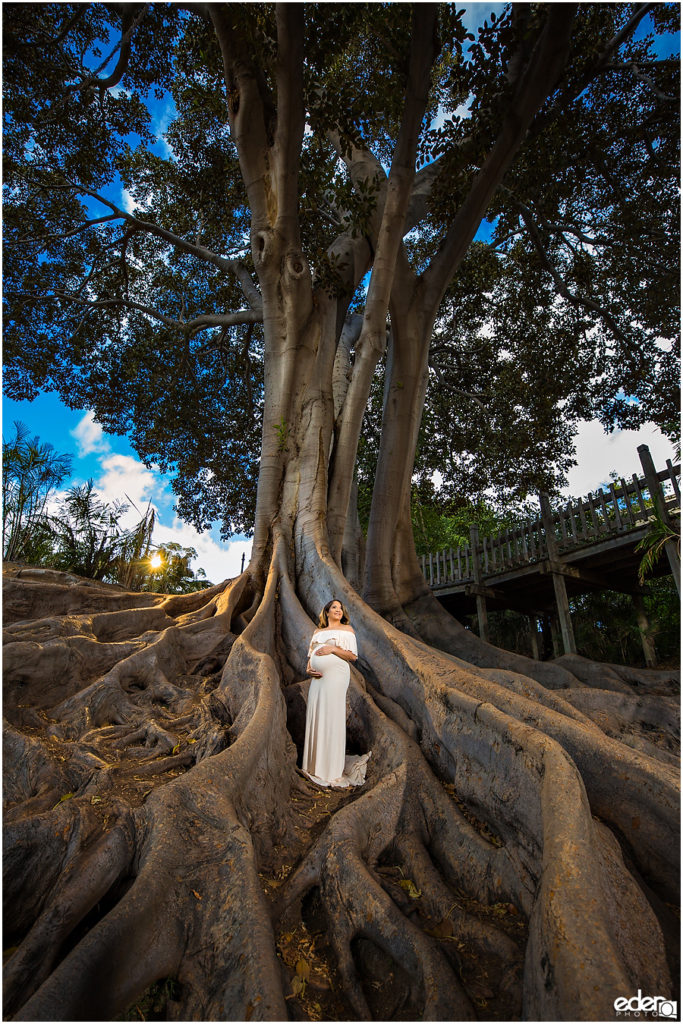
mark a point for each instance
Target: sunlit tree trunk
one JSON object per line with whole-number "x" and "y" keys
{"x": 158, "y": 831}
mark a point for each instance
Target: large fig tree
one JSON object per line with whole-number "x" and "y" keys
{"x": 515, "y": 849}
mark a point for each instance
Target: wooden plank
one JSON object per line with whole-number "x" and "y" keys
{"x": 562, "y": 602}
{"x": 502, "y": 550}
{"x": 674, "y": 480}
{"x": 484, "y": 591}
{"x": 627, "y": 502}
{"x": 582, "y": 517}
{"x": 594, "y": 527}
{"x": 431, "y": 571}
{"x": 533, "y": 637}
{"x": 607, "y": 523}
{"x": 459, "y": 565}
{"x": 532, "y": 540}
{"x": 452, "y": 576}
{"x": 572, "y": 524}
{"x": 617, "y": 511}
{"x": 644, "y": 511}
{"x": 485, "y": 544}
{"x": 563, "y": 530}
{"x": 525, "y": 546}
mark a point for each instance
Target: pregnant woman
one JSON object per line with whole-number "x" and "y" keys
{"x": 332, "y": 648}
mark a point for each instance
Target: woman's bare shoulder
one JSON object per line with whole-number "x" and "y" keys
{"x": 346, "y": 628}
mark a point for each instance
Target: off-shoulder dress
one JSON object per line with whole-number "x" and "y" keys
{"x": 324, "y": 758}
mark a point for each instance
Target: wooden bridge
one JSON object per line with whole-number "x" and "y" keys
{"x": 588, "y": 544}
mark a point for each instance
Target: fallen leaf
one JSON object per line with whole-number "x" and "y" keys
{"x": 67, "y": 796}
{"x": 298, "y": 985}
{"x": 195, "y": 893}
{"x": 410, "y": 888}
{"x": 95, "y": 799}
{"x": 303, "y": 970}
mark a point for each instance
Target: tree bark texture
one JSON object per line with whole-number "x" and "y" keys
{"x": 156, "y": 826}
{"x": 514, "y": 852}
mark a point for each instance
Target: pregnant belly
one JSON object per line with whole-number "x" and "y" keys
{"x": 330, "y": 664}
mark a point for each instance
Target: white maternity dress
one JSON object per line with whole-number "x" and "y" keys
{"x": 324, "y": 760}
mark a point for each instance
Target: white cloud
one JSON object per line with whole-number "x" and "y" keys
{"x": 126, "y": 479}
{"x": 219, "y": 561}
{"x": 127, "y": 201}
{"x": 598, "y": 453}
{"x": 160, "y": 125}
{"x": 89, "y": 436}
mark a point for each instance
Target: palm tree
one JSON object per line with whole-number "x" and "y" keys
{"x": 31, "y": 473}
{"x": 653, "y": 544}
{"x": 91, "y": 543}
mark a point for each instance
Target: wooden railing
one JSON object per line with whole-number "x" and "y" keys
{"x": 618, "y": 509}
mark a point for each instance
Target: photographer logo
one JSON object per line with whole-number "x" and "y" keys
{"x": 651, "y": 1006}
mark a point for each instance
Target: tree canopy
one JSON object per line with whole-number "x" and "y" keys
{"x": 146, "y": 308}
{"x": 302, "y": 267}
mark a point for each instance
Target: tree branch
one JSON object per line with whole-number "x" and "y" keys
{"x": 241, "y": 316}
{"x": 603, "y": 58}
{"x": 55, "y": 236}
{"x": 134, "y": 19}
{"x": 634, "y": 68}
{"x": 560, "y": 284}
{"x": 623, "y": 34}
{"x": 230, "y": 266}
{"x": 423, "y": 50}
{"x": 247, "y": 104}
{"x": 542, "y": 73}
{"x": 290, "y": 115}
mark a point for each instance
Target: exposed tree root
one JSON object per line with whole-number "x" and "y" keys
{"x": 156, "y": 826}
{"x": 434, "y": 625}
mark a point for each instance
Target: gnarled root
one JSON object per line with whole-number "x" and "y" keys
{"x": 154, "y": 802}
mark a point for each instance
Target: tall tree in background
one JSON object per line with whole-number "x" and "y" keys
{"x": 220, "y": 306}
{"x": 32, "y": 472}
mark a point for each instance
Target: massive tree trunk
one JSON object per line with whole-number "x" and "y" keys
{"x": 514, "y": 851}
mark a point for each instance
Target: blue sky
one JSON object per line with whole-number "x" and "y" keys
{"x": 119, "y": 474}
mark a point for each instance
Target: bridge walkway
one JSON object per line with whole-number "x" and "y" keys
{"x": 587, "y": 544}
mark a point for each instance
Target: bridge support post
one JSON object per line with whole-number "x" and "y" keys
{"x": 551, "y": 639}
{"x": 533, "y": 636}
{"x": 559, "y": 586}
{"x": 654, "y": 487}
{"x": 644, "y": 628}
{"x": 482, "y": 614}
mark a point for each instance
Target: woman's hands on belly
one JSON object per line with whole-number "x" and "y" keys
{"x": 320, "y": 652}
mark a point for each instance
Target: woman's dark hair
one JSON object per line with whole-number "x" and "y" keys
{"x": 323, "y": 621}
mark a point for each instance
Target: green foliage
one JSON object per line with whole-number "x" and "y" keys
{"x": 172, "y": 574}
{"x": 440, "y": 522}
{"x": 653, "y": 545}
{"x": 89, "y": 541}
{"x": 606, "y": 627}
{"x": 31, "y": 474}
{"x": 282, "y": 431}
{"x": 570, "y": 309}
{"x": 83, "y": 534}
